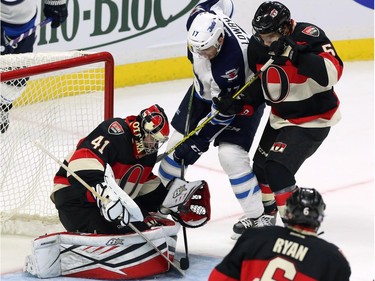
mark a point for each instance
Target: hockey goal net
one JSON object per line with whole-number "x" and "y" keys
{"x": 54, "y": 99}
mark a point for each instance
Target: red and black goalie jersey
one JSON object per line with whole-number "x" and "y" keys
{"x": 111, "y": 142}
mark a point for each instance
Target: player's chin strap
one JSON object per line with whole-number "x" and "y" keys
{"x": 188, "y": 202}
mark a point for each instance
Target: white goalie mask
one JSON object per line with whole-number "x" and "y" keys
{"x": 204, "y": 32}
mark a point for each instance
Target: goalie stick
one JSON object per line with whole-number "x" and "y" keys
{"x": 129, "y": 202}
{"x": 184, "y": 262}
{"x": 207, "y": 120}
{"x": 125, "y": 199}
{"x": 32, "y": 30}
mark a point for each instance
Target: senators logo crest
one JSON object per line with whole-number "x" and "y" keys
{"x": 278, "y": 147}
{"x": 311, "y": 31}
{"x": 115, "y": 129}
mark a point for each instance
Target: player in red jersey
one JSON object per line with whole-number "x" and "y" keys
{"x": 129, "y": 146}
{"x": 104, "y": 191}
{"x": 299, "y": 88}
{"x": 293, "y": 252}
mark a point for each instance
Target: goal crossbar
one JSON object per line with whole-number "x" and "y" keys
{"x": 105, "y": 57}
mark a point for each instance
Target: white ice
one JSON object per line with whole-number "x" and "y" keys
{"x": 342, "y": 170}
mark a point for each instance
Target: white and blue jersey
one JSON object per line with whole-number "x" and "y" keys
{"x": 17, "y": 16}
{"x": 233, "y": 134}
{"x": 228, "y": 70}
{"x": 224, "y": 74}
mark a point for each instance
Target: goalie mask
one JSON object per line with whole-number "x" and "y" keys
{"x": 153, "y": 123}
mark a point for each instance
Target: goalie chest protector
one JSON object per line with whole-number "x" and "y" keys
{"x": 108, "y": 257}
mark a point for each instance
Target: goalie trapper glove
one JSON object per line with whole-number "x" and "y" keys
{"x": 56, "y": 10}
{"x": 111, "y": 207}
{"x": 188, "y": 203}
{"x": 197, "y": 211}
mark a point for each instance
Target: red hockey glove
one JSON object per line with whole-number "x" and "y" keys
{"x": 197, "y": 211}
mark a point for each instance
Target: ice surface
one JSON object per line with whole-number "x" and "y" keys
{"x": 342, "y": 169}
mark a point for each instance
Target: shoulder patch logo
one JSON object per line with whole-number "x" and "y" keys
{"x": 231, "y": 75}
{"x": 115, "y": 128}
{"x": 278, "y": 147}
{"x": 311, "y": 31}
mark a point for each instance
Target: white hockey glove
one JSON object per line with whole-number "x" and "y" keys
{"x": 114, "y": 203}
{"x": 128, "y": 203}
{"x": 112, "y": 209}
{"x": 188, "y": 202}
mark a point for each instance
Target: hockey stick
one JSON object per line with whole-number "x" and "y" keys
{"x": 32, "y": 30}
{"x": 157, "y": 249}
{"x": 208, "y": 119}
{"x": 86, "y": 185}
{"x": 184, "y": 262}
{"x": 125, "y": 199}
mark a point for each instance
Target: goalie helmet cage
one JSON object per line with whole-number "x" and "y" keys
{"x": 58, "y": 98}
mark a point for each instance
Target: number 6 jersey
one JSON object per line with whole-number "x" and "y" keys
{"x": 281, "y": 253}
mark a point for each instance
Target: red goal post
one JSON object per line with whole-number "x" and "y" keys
{"x": 57, "y": 98}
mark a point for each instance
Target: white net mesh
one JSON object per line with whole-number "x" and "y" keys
{"x": 56, "y": 109}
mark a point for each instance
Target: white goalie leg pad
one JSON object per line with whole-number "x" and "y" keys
{"x": 45, "y": 259}
{"x": 103, "y": 256}
{"x": 180, "y": 192}
{"x": 235, "y": 162}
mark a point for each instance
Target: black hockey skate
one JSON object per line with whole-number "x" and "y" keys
{"x": 245, "y": 223}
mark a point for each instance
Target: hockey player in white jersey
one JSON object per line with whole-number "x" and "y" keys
{"x": 217, "y": 49}
{"x": 18, "y": 17}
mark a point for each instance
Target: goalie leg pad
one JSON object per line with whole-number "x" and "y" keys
{"x": 45, "y": 260}
{"x": 103, "y": 256}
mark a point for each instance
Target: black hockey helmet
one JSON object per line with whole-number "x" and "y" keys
{"x": 305, "y": 207}
{"x": 271, "y": 16}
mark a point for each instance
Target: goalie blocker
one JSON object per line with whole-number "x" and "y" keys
{"x": 101, "y": 256}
